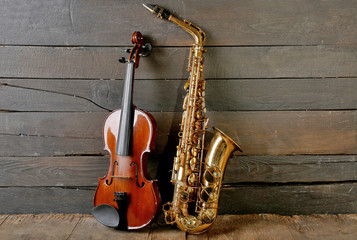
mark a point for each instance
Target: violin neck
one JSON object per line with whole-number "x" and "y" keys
{"x": 127, "y": 113}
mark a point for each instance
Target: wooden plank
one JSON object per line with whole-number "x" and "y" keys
{"x": 267, "y": 226}
{"x": 88, "y": 95}
{"x": 171, "y": 63}
{"x": 341, "y": 226}
{"x": 24, "y": 99}
{"x": 84, "y": 170}
{"x": 57, "y": 171}
{"x": 297, "y": 169}
{"x": 53, "y": 124}
{"x": 48, "y": 146}
{"x": 3, "y": 218}
{"x": 167, "y": 95}
{"x": 87, "y": 224}
{"x": 290, "y": 132}
{"x": 281, "y": 94}
{"x": 278, "y": 199}
{"x": 226, "y": 22}
{"x": 289, "y": 199}
{"x": 160, "y": 230}
{"x": 34, "y": 200}
{"x": 52, "y": 171}
{"x": 44, "y": 226}
{"x": 250, "y": 226}
{"x": 259, "y": 133}
{"x": 262, "y": 226}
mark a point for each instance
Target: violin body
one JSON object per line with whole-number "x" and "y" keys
{"x": 143, "y": 199}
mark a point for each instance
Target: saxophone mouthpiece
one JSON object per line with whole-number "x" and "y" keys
{"x": 160, "y": 12}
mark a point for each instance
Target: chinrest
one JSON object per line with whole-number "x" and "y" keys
{"x": 106, "y": 215}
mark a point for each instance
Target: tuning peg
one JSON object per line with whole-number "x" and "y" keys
{"x": 146, "y": 50}
{"x": 128, "y": 50}
{"x": 122, "y": 60}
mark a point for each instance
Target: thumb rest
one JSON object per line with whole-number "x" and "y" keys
{"x": 197, "y": 181}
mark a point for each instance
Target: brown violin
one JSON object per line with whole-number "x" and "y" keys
{"x": 126, "y": 197}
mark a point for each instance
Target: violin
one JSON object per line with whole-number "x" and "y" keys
{"x": 126, "y": 197}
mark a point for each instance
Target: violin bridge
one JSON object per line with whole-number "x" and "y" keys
{"x": 122, "y": 177}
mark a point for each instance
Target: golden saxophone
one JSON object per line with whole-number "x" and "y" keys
{"x": 197, "y": 181}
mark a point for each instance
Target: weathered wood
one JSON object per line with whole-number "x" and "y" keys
{"x": 160, "y": 230}
{"x": 290, "y": 132}
{"x": 53, "y": 124}
{"x": 281, "y": 199}
{"x": 167, "y": 95}
{"x": 259, "y": 133}
{"x": 337, "y": 227}
{"x": 52, "y": 171}
{"x": 289, "y": 199}
{"x": 266, "y": 226}
{"x": 3, "y": 218}
{"x": 44, "y": 226}
{"x": 281, "y": 94}
{"x": 171, "y": 63}
{"x": 87, "y": 224}
{"x": 227, "y": 22}
{"x": 57, "y": 171}
{"x": 262, "y": 226}
{"x": 48, "y": 146}
{"x": 46, "y": 199}
{"x": 84, "y": 170}
{"x": 297, "y": 169}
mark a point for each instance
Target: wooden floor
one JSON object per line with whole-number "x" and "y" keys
{"x": 262, "y": 226}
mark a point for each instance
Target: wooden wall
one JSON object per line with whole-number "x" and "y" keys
{"x": 281, "y": 81}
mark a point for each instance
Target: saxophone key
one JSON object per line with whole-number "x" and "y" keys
{"x": 194, "y": 138}
{"x": 194, "y": 152}
{"x": 199, "y": 114}
{"x": 193, "y": 164}
{"x": 192, "y": 179}
{"x": 208, "y": 215}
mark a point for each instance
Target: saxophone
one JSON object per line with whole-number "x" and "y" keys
{"x": 197, "y": 181}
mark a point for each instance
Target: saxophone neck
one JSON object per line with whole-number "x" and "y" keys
{"x": 196, "y": 32}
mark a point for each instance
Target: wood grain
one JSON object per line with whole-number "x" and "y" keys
{"x": 52, "y": 171}
{"x": 3, "y": 218}
{"x": 46, "y": 200}
{"x": 227, "y": 22}
{"x": 267, "y": 226}
{"x": 167, "y": 95}
{"x": 289, "y": 199}
{"x": 52, "y": 226}
{"x": 249, "y": 226}
{"x": 259, "y": 133}
{"x": 285, "y": 199}
{"x": 171, "y": 62}
{"x": 82, "y": 171}
{"x": 87, "y": 224}
{"x": 48, "y": 146}
{"x": 288, "y": 169}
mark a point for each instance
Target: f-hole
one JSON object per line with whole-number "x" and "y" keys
{"x": 111, "y": 180}
{"x": 136, "y": 175}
